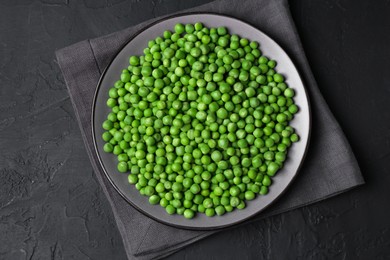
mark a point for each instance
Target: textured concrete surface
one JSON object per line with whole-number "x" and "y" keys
{"x": 50, "y": 204}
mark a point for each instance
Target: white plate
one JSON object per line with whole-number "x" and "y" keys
{"x": 301, "y": 121}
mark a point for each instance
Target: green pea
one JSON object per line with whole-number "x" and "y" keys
{"x": 263, "y": 190}
{"x": 179, "y": 28}
{"x": 170, "y": 209}
{"x": 220, "y": 210}
{"x": 154, "y": 199}
{"x": 201, "y": 120}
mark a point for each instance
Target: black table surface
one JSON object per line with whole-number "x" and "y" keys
{"x": 51, "y": 206}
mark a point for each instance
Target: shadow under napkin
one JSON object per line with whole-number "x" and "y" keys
{"x": 329, "y": 168}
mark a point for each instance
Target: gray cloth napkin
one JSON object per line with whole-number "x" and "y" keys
{"x": 329, "y": 168}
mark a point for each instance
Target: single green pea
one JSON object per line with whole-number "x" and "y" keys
{"x": 170, "y": 209}
{"x": 289, "y": 92}
{"x": 108, "y": 148}
{"x": 266, "y": 181}
{"x": 278, "y": 78}
{"x": 133, "y": 178}
{"x": 272, "y": 168}
{"x": 164, "y": 202}
{"x": 249, "y": 195}
{"x": 189, "y": 214}
{"x": 263, "y": 190}
{"x": 294, "y": 138}
{"x": 195, "y": 188}
{"x": 210, "y": 212}
{"x": 220, "y": 210}
{"x": 154, "y": 199}
{"x": 179, "y": 28}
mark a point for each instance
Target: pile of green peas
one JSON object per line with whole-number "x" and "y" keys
{"x": 201, "y": 121}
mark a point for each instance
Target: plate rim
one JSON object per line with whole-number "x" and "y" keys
{"x": 99, "y": 83}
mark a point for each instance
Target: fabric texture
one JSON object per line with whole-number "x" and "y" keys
{"x": 329, "y": 168}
